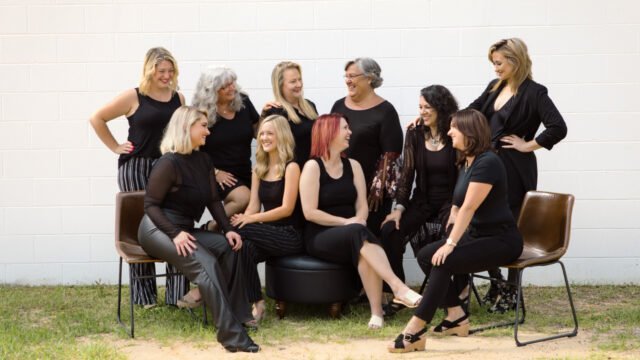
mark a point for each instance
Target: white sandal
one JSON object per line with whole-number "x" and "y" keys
{"x": 376, "y": 322}
{"x": 410, "y": 299}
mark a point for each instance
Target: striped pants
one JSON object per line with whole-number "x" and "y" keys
{"x": 261, "y": 241}
{"x": 132, "y": 176}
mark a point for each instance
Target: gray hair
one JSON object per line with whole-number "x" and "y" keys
{"x": 206, "y": 93}
{"x": 369, "y": 68}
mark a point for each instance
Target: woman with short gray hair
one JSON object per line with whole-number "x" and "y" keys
{"x": 376, "y": 141}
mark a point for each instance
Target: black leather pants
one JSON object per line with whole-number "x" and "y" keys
{"x": 214, "y": 267}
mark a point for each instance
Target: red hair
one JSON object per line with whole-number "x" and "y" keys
{"x": 325, "y": 129}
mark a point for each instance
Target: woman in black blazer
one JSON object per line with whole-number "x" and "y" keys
{"x": 515, "y": 106}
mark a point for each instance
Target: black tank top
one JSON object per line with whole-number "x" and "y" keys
{"x": 271, "y": 194}
{"x": 146, "y": 126}
{"x": 337, "y": 196}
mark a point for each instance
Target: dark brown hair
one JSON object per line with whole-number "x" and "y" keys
{"x": 475, "y": 128}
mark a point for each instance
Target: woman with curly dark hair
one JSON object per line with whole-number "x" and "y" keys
{"x": 430, "y": 159}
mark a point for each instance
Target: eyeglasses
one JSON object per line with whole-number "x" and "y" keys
{"x": 351, "y": 76}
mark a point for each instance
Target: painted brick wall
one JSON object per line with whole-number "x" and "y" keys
{"x": 60, "y": 60}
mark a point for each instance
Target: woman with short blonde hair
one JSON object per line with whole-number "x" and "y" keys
{"x": 180, "y": 186}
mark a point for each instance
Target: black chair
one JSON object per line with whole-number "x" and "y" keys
{"x": 308, "y": 280}
{"x": 545, "y": 225}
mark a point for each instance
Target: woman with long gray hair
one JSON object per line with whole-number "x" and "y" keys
{"x": 232, "y": 120}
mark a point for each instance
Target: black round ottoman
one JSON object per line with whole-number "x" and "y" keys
{"x": 308, "y": 280}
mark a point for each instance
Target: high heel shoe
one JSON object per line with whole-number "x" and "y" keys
{"x": 447, "y": 327}
{"x": 415, "y": 342}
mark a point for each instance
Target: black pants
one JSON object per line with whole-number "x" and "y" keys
{"x": 214, "y": 267}
{"x": 417, "y": 213}
{"x": 261, "y": 241}
{"x": 474, "y": 252}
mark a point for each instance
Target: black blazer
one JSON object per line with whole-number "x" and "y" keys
{"x": 532, "y": 106}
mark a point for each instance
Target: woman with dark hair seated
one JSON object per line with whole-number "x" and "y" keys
{"x": 430, "y": 159}
{"x": 484, "y": 233}
{"x": 182, "y": 183}
{"x": 333, "y": 196}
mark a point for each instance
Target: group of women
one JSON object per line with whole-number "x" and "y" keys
{"x": 326, "y": 184}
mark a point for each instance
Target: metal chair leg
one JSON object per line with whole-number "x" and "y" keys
{"x": 131, "y": 280}
{"x": 120, "y": 293}
{"x": 572, "y": 333}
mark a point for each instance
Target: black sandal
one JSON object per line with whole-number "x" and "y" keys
{"x": 447, "y": 327}
{"x": 416, "y": 342}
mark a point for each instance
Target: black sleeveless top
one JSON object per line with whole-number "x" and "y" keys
{"x": 335, "y": 196}
{"x": 146, "y": 126}
{"x": 271, "y": 194}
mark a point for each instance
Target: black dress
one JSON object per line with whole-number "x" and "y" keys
{"x": 229, "y": 144}
{"x": 521, "y": 116}
{"x": 179, "y": 188}
{"x": 301, "y": 132}
{"x": 337, "y": 244}
{"x": 375, "y": 131}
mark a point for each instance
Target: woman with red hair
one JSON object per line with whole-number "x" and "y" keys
{"x": 334, "y": 202}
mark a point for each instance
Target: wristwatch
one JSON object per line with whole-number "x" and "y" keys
{"x": 451, "y": 243}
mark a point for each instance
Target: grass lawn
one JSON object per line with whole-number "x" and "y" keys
{"x": 58, "y": 322}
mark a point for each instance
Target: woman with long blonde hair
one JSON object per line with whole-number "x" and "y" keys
{"x": 289, "y": 101}
{"x": 274, "y": 187}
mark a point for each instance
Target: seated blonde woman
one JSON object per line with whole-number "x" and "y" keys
{"x": 274, "y": 187}
{"x": 181, "y": 185}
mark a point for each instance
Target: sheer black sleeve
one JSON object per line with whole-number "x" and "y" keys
{"x": 407, "y": 172}
{"x": 215, "y": 206}
{"x": 163, "y": 178}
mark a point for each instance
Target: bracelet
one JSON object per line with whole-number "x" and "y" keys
{"x": 451, "y": 243}
{"x": 400, "y": 207}
{"x": 216, "y": 172}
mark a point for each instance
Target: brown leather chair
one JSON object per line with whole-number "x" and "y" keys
{"x": 545, "y": 225}
{"x": 129, "y": 213}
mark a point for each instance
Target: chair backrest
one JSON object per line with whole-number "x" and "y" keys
{"x": 129, "y": 212}
{"x": 545, "y": 221}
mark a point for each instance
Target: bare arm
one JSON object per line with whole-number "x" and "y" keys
{"x": 122, "y": 105}
{"x": 291, "y": 181}
{"x": 309, "y": 191}
{"x": 362, "y": 209}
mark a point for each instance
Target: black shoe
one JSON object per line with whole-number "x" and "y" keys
{"x": 251, "y": 348}
{"x": 415, "y": 342}
{"x": 390, "y": 309}
{"x": 491, "y": 296}
{"x": 506, "y": 300}
{"x": 447, "y": 327}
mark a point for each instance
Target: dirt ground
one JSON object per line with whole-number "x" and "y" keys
{"x": 473, "y": 347}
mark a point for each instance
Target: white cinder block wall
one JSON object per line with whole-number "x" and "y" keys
{"x": 60, "y": 60}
